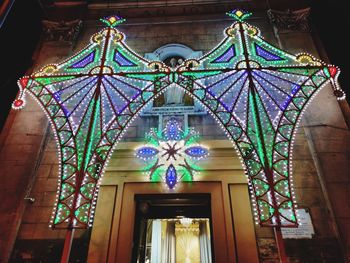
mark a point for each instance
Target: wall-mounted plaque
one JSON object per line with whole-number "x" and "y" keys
{"x": 305, "y": 228}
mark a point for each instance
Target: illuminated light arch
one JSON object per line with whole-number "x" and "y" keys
{"x": 255, "y": 91}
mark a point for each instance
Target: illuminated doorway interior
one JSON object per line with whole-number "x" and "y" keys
{"x": 172, "y": 228}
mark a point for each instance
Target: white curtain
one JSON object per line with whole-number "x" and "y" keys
{"x": 163, "y": 249}
{"x": 169, "y": 244}
{"x": 204, "y": 243}
{"x": 174, "y": 95}
{"x": 156, "y": 242}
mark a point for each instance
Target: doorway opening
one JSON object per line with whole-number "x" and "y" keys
{"x": 172, "y": 228}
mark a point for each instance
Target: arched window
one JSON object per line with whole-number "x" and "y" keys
{"x": 173, "y": 55}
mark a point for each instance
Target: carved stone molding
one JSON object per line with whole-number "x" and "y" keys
{"x": 62, "y": 30}
{"x": 296, "y": 20}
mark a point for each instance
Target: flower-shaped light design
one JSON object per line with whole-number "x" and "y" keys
{"x": 171, "y": 155}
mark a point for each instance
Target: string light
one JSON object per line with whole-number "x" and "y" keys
{"x": 171, "y": 155}
{"x": 255, "y": 91}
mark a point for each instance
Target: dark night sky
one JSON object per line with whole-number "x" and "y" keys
{"x": 21, "y": 31}
{"x": 18, "y": 37}
{"x": 331, "y": 20}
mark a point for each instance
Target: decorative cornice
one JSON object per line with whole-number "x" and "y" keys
{"x": 296, "y": 20}
{"x": 62, "y": 30}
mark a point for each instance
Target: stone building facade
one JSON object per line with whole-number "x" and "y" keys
{"x": 29, "y": 162}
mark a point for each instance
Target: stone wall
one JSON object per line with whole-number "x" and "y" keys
{"x": 23, "y": 142}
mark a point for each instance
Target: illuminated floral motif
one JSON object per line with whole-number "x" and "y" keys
{"x": 239, "y": 14}
{"x": 255, "y": 91}
{"x": 171, "y": 154}
{"x": 112, "y": 20}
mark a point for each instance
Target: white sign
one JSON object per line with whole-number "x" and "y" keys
{"x": 304, "y": 230}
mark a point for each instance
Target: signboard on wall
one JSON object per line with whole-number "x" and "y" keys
{"x": 305, "y": 228}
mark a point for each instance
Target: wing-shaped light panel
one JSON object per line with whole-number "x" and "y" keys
{"x": 90, "y": 98}
{"x": 258, "y": 93}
